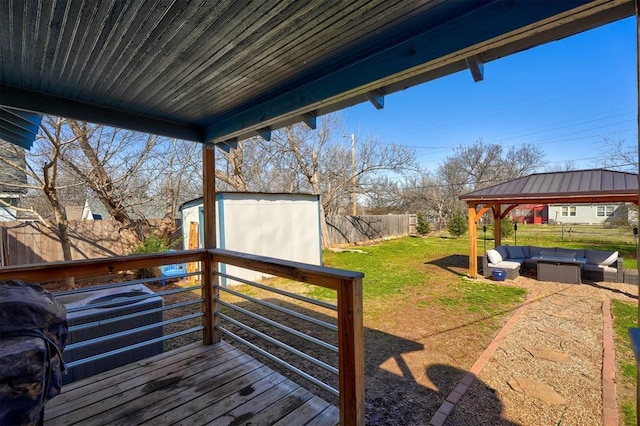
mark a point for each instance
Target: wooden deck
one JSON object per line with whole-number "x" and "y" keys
{"x": 193, "y": 385}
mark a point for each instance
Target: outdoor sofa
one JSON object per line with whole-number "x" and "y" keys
{"x": 599, "y": 266}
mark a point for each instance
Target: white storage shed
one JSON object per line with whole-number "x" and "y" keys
{"x": 284, "y": 226}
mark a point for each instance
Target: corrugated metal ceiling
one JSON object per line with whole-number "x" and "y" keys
{"x": 216, "y": 70}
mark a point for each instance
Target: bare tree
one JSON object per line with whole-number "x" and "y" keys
{"x": 298, "y": 159}
{"x": 126, "y": 171}
{"x": 468, "y": 169}
{"x": 384, "y": 196}
{"x": 481, "y": 165}
{"x": 617, "y": 154}
{"x": 432, "y": 197}
{"x": 333, "y": 169}
{"x": 180, "y": 181}
{"x": 118, "y": 167}
{"x": 43, "y": 173}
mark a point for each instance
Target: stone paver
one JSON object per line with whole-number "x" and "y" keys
{"x": 538, "y": 390}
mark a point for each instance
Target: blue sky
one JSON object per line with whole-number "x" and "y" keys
{"x": 565, "y": 96}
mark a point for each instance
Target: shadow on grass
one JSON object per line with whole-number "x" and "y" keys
{"x": 452, "y": 263}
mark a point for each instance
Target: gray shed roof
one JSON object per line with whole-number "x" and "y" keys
{"x": 595, "y": 185}
{"x": 216, "y": 71}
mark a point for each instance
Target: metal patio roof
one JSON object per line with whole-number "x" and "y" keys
{"x": 576, "y": 186}
{"x": 219, "y": 71}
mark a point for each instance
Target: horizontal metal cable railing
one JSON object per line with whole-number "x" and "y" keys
{"x": 282, "y": 313}
{"x": 275, "y": 317}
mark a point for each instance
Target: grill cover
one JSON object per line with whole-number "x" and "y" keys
{"x": 33, "y": 333}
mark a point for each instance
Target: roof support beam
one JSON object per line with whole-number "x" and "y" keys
{"x": 265, "y": 133}
{"x": 310, "y": 119}
{"x": 228, "y": 145}
{"x": 48, "y": 104}
{"x": 476, "y": 67}
{"x": 376, "y": 97}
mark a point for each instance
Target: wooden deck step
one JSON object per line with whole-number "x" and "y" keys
{"x": 193, "y": 385}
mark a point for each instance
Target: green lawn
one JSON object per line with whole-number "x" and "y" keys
{"x": 625, "y": 316}
{"x": 398, "y": 267}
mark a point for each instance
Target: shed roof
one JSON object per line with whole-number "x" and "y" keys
{"x": 576, "y": 186}
{"x": 216, "y": 71}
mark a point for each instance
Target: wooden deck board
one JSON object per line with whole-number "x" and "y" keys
{"x": 193, "y": 385}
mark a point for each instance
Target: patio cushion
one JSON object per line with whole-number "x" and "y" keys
{"x": 548, "y": 252}
{"x": 503, "y": 251}
{"x": 534, "y": 251}
{"x": 592, "y": 267}
{"x": 505, "y": 264}
{"x": 604, "y": 258}
{"x": 494, "y": 256}
{"x": 516, "y": 252}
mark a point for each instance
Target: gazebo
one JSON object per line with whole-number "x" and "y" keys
{"x": 570, "y": 187}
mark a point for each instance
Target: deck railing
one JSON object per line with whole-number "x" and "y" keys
{"x": 218, "y": 317}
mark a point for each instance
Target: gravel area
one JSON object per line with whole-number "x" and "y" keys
{"x": 548, "y": 369}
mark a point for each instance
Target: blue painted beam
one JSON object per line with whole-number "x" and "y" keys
{"x": 310, "y": 119}
{"x": 228, "y": 145}
{"x": 476, "y": 67}
{"x": 376, "y": 97}
{"x": 483, "y": 23}
{"x": 48, "y": 104}
{"x": 265, "y": 133}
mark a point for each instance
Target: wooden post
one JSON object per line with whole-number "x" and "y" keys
{"x": 638, "y": 135}
{"x": 351, "y": 352}
{"x": 473, "y": 242}
{"x": 497, "y": 232}
{"x": 210, "y": 335}
{"x": 193, "y": 243}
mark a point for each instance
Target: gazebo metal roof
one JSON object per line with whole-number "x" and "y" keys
{"x": 575, "y": 186}
{"x": 219, "y": 71}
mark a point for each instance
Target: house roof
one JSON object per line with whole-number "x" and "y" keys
{"x": 577, "y": 186}
{"x": 218, "y": 71}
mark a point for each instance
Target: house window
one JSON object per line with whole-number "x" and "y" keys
{"x": 603, "y": 211}
{"x": 568, "y": 210}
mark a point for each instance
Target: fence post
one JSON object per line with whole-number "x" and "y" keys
{"x": 351, "y": 352}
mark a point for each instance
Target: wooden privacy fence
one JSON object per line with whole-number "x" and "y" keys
{"x": 24, "y": 243}
{"x": 31, "y": 242}
{"x": 355, "y": 229}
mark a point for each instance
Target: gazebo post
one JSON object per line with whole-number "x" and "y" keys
{"x": 473, "y": 242}
{"x": 497, "y": 232}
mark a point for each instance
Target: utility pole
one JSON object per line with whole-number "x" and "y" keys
{"x": 353, "y": 174}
